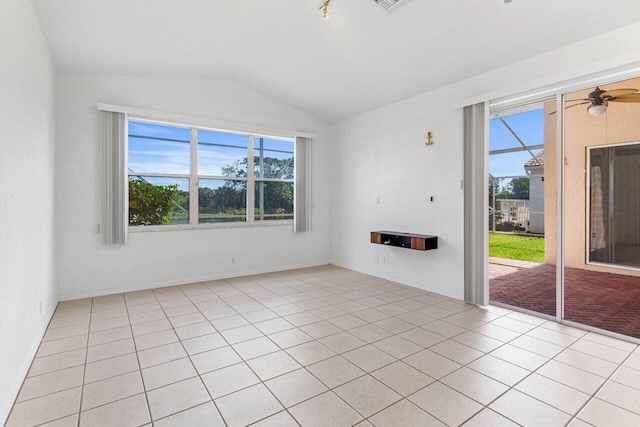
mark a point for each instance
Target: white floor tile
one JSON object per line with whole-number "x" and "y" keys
{"x": 399, "y": 355}
{"x": 445, "y": 404}
{"x": 527, "y": 411}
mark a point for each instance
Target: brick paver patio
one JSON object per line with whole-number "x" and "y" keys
{"x": 604, "y": 300}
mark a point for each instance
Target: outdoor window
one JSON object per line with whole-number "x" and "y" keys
{"x": 185, "y": 175}
{"x": 273, "y": 169}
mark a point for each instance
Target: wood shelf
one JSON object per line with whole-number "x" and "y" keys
{"x": 419, "y": 242}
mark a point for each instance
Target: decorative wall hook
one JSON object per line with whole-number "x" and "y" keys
{"x": 429, "y": 139}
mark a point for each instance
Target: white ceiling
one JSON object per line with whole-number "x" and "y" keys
{"x": 359, "y": 59}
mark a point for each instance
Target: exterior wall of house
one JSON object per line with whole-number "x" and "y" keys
{"x": 536, "y": 200}
{"x": 620, "y": 124}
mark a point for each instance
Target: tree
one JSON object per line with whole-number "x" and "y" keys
{"x": 150, "y": 204}
{"x": 519, "y": 188}
{"x": 495, "y": 185}
{"x": 229, "y": 198}
{"x": 278, "y": 196}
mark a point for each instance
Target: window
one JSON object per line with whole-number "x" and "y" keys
{"x": 614, "y": 205}
{"x": 185, "y": 175}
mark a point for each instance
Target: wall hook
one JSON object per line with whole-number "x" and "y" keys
{"x": 429, "y": 139}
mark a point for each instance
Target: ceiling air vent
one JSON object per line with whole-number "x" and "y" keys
{"x": 391, "y": 5}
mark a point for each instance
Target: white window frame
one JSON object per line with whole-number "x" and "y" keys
{"x": 193, "y": 177}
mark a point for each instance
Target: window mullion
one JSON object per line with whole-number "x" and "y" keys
{"x": 251, "y": 182}
{"x": 193, "y": 181}
{"x": 261, "y": 195}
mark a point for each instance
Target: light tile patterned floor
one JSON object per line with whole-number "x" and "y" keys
{"x": 323, "y": 347}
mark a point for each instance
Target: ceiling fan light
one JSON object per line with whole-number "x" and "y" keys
{"x": 596, "y": 110}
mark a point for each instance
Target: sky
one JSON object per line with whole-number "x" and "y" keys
{"x": 529, "y": 127}
{"x": 172, "y": 157}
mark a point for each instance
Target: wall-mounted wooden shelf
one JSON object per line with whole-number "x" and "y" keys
{"x": 419, "y": 242}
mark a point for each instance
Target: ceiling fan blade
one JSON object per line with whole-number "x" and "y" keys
{"x": 618, "y": 92}
{"x": 581, "y": 99}
{"x": 575, "y": 105}
{"x": 634, "y": 97}
{"x": 587, "y": 101}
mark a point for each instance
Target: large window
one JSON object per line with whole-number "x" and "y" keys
{"x": 185, "y": 175}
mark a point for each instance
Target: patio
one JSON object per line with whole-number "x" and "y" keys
{"x": 603, "y": 300}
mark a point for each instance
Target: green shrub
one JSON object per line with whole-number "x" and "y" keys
{"x": 150, "y": 204}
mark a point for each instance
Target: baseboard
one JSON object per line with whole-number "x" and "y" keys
{"x": 405, "y": 281}
{"x": 21, "y": 374}
{"x": 122, "y": 289}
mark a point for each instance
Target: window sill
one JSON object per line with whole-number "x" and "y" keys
{"x": 183, "y": 227}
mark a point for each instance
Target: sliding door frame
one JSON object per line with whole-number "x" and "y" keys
{"x": 513, "y": 103}
{"x": 559, "y": 208}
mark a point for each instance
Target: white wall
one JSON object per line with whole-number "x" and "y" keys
{"x": 27, "y": 101}
{"x": 382, "y": 153}
{"x": 151, "y": 259}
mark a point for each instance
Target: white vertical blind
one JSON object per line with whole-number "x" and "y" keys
{"x": 302, "y": 198}
{"x": 113, "y": 152}
{"x": 476, "y": 217}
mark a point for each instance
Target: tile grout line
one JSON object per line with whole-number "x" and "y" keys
{"x": 135, "y": 346}
{"x": 607, "y": 380}
{"x": 84, "y": 371}
{"x": 309, "y": 287}
{"x": 285, "y": 409}
{"x": 188, "y": 356}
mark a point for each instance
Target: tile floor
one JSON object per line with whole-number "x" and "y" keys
{"x": 319, "y": 347}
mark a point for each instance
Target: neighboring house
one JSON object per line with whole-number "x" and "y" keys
{"x": 535, "y": 169}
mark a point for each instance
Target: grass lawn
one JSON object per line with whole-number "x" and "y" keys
{"x": 513, "y": 246}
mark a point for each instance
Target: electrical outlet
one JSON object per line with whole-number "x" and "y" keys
{"x": 382, "y": 262}
{"x": 377, "y": 200}
{"x": 432, "y": 200}
{"x": 233, "y": 260}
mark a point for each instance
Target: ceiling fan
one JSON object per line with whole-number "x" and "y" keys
{"x": 599, "y": 99}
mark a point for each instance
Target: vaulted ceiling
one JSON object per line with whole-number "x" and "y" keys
{"x": 359, "y": 59}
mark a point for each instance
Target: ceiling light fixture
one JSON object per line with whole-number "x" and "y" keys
{"x": 597, "y": 109}
{"x": 324, "y": 7}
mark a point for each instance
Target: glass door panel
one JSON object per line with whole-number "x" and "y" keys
{"x": 601, "y": 286}
{"x": 522, "y": 206}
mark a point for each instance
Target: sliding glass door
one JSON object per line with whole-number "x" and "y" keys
{"x": 567, "y": 171}
{"x": 522, "y": 204}
{"x": 601, "y": 208}
{"x": 614, "y": 199}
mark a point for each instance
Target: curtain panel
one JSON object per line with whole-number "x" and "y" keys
{"x": 302, "y": 198}
{"x": 112, "y": 139}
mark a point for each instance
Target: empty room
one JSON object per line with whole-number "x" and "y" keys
{"x": 319, "y": 213}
